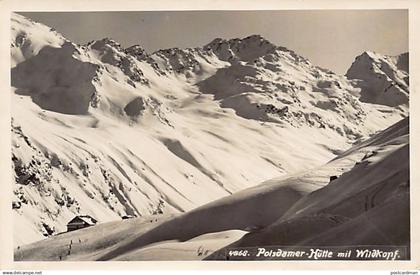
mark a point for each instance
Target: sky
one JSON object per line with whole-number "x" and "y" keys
{"x": 328, "y": 38}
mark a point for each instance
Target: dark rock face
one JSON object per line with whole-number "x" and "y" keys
{"x": 135, "y": 107}
{"x": 56, "y": 81}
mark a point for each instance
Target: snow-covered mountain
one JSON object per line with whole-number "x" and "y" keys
{"x": 106, "y": 131}
{"x": 359, "y": 208}
{"x": 384, "y": 78}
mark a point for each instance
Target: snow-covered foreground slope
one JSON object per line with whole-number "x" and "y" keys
{"x": 106, "y": 131}
{"x": 360, "y": 207}
{"x": 368, "y": 205}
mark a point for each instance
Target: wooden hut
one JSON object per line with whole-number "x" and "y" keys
{"x": 80, "y": 221}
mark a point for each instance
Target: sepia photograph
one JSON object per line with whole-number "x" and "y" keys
{"x": 260, "y": 135}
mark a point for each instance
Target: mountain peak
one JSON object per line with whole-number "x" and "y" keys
{"x": 256, "y": 37}
{"x": 383, "y": 79}
{"x": 29, "y": 37}
{"x": 249, "y": 39}
{"x": 369, "y": 55}
{"x": 245, "y": 49}
{"x": 102, "y": 43}
{"x": 137, "y": 51}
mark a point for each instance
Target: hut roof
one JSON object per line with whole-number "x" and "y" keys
{"x": 84, "y": 218}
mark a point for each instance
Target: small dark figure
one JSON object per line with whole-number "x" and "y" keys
{"x": 333, "y": 178}
{"x": 71, "y": 241}
{"x": 366, "y": 203}
{"x": 59, "y": 257}
{"x": 68, "y": 252}
{"x": 80, "y": 241}
{"x": 200, "y": 251}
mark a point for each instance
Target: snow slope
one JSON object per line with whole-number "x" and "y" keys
{"x": 106, "y": 131}
{"x": 360, "y": 207}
